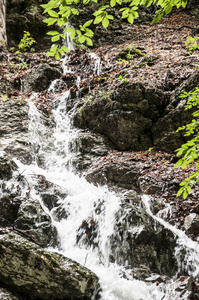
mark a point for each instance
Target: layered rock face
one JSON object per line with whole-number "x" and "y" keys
{"x": 35, "y": 272}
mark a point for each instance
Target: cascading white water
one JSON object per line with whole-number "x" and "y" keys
{"x": 186, "y": 252}
{"x": 58, "y": 152}
{"x": 191, "y": 253}
{"x": 80, "y": 204}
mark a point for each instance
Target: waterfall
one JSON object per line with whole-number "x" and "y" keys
{"x": 80, "y": 203}
{"x": 52, "y": 157}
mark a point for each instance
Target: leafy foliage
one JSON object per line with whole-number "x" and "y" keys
{"x": 62, "y": 11}
{"x": 26, "y": 42}
{"x": 193, "y": 42}
{"x": 190, "y": 150}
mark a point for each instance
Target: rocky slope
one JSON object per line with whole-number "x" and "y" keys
{"x": 131, "y": 106}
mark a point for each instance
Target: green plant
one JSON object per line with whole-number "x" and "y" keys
{"x": 62, "y": 11}
{"x": 190, "y": 150}
{"x": 193, "y": 42}
{"x": 123, "y": 80}
{"x": 120, "y": 61}
{"x": 33, "y": 9}
{"x": 108, "y": 93}
{"x": 26, "y": 42}
{"x": 4, "y": 97}
{"x": 20, "y": 64}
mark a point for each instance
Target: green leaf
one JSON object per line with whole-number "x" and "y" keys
{"x": 61, "y": 22}
{"x": 180, "y": 192}
{"x": 98, "y": 13}
{"x": 79, "y": 32}
{"x": 110, "y": 17}
{"x": 58, "y": 55}
{"x": 55, "y": 38}
{"x": 184, "y": 164}
{"x": 72, "y": 35}
{"x": 53, "y": 13}
{"x": 88, "y": 23}
{"x": 104, "y": 7}
{"x": 179, "y": 162}
{"x": 168, "y": 9}
{"x": 53, "y": 32}
{"x": 135, "y": 2}
{"x": 54, "y": 48}
{"x": 89, "y": 41}
{"x": 66, "y": 14}
{"x": 98, "y": 20}
{"x": 105, "y": 22}
{"x": 130, "y": 19}
{"x": 187, "y": 190}
{"x": 113, "y": 3}
{"x": 75, "y": 11}
{"x": 89, "y": 32}
{"x": 69, "y": 30}
{"x": 82, "y": 39}
{"x": 50, "y": 21}
{"x": 65, "y": 49}
{"x": 158, "y": 16}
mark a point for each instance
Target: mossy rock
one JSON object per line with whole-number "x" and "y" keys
{"x": 34, "y": 272}
{"x": 7, "y": 166}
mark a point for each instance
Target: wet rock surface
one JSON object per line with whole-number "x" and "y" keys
{"x": 149, "y": 173}
{"x": 35, "y": 272}
{"x": 7, "y": 166}
{"x": 40, "y": 79}
{"x": 14, "y": 128}
{"x": 132, "y": 105}
{"x": 137, "y": 243}
{"x": 35, "y": 223}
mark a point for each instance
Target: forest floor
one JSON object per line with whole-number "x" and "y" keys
{"x": 168, "y": 62}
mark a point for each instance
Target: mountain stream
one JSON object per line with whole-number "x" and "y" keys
{"x": 58, "y": 153}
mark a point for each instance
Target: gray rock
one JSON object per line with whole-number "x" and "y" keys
{"x": 6, "y": 295}
{"x": 163, "y": 131}
{"x": 35, "y": 272}
{"x": 140, "y": 240}
{"x": 14, "y": 129}
{"x": 191, "y": 224}
{"x": 33, "y": 221}
{"x": 7, "y": 166}
{"x": 122, "y": 117}
{"x": 123, "y": 175}
{"x": 9, "y": 207}
{"x": 40, "y": 79}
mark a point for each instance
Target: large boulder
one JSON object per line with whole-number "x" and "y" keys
{"x": 125, "y": 117}
{"x": 40, "y": 79}
{"x": 7, "y": 166}
{"x": 123, "y": 175}
{"x": 9, "y": 206}
{"x": 14, "y": 128}
{"x": 35, "y": 272}
{"x": 141, "y": 241}
{"x": 34, "y": 222}
{"x": 136, "y": 117}
{"x": 163, "y": 131}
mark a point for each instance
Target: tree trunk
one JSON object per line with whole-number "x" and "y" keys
{"x": 3, "y": 37}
